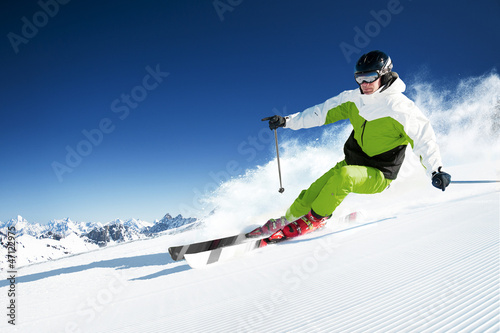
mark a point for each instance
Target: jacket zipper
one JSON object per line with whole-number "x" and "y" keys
{"x": 363, "y": 132}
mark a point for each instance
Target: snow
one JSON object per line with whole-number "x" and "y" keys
{"x": 418, "y": 259}
{"x": 31, "y": 249}
{"x": 426, "y": 270}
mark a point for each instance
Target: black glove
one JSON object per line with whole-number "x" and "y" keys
{"x": 275, "y": 122}
{"x": 440, "y": 179}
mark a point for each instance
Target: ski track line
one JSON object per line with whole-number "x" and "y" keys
{"x": 449, "y": 311}
{"x": 369, "y": 282}
{"x": 456, "y": 302}
{"x": 383, "y": 326}
{"x": 493, "y": 261}
{"x": 413, "y": 296}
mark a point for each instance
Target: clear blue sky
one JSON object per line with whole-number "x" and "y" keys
{"x": 155, "y": 97}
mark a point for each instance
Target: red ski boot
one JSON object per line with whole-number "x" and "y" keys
{"x": 277, "y": 237}
{"x": 304, "y": 225}
{"x": 269, "y": 228}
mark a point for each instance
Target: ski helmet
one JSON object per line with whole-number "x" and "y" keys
{"x": 372, "y": 66}
{"x": 374, "y": 61}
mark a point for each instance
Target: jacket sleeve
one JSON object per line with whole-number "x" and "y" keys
{"x": 421, "y": 136}
{"x": 334, "y": 109}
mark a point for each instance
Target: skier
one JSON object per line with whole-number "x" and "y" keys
{"x": 385, "y": 121}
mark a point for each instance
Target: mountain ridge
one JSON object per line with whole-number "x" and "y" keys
{"x": 58, "y": 238}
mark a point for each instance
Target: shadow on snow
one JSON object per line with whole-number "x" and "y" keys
{"x": 158, "y": 259}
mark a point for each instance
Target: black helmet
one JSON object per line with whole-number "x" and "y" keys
{"x": 374, "y": 61}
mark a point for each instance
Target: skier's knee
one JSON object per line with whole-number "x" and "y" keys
{"x": 346, "y": 176}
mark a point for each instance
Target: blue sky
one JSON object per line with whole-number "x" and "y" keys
{"x": 132, "y": 109}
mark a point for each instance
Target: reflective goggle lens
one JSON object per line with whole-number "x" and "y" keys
{"x": 366, "y": 77}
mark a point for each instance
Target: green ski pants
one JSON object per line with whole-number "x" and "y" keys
{"x": 328, "y": 191}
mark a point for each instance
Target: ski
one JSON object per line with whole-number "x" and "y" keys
{"x": 222, "y": 254}
{"x": 178, "y": 252}
{"x": 201, "y": 259}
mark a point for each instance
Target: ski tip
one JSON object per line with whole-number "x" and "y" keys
{"x": 175, "y": 254}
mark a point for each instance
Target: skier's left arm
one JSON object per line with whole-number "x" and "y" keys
{"x": 422, "y": 138}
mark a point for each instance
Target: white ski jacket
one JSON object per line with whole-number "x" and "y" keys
{"x": 384, "y": 123}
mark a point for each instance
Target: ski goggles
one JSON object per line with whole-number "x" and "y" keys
{"x": 368, "y": 77}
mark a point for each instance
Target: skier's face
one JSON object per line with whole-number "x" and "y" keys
{"x": 370, "y": 88}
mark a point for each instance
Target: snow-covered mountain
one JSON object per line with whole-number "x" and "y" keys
{"x": 59, "y": 238}
{"x": 23, "y": 227}
{"x": 66, "y": 226}
{"x": 168, "y": 222}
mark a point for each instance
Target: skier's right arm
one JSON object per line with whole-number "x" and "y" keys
{"x": 334, "y": 109}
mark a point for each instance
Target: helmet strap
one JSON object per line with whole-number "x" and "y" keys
{"x": 387, "y": 80}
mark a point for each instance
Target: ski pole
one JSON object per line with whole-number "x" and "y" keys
{"x": 474, "y": 181}
{"x": 281, "y": 190}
